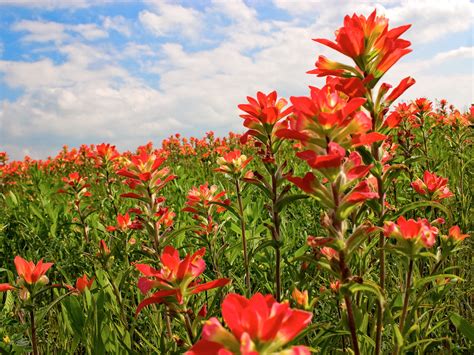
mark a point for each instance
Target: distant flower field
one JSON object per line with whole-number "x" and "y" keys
{"x": 337, "y": 223}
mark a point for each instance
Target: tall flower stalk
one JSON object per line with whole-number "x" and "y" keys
{"x": 232, "y": 165}
{"x": 374, "y": 49}
{"x": 262, "y": 117}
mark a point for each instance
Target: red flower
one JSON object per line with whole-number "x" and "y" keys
{"x": 400, "y": 89}
{"x": 31, "y": 273}
{"x": 456, "y": 234}
{"x": 262, "y": 115}
{"x": 257, "y": 324}
{"x": 176, "y": 280}
{"x": 232, "y": 163}
{"x": 83, "y": 282}
{"x": 418, "y": 232}
{"x": 328, "y": 115}
{"x": 6, "y": 287}
{"x": 103, "y": 248}
{"x": 369, "y": 42}
{"x": 144, "y": 173}
{"x": 434, "y": 185}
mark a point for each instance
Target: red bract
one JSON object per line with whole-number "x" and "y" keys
{"x": 262, "y": 115}
{"x": 434, "y": 185}
{"x": 456, "y": 234}
{"x": 201, "y": 201}
{"x": 176, "y": 280}
{"x": 76, "y": 185}
{"x": 329, "y": 115}
{"x": 6, "y": 287}
{"x": 368, "y": 41}
{"x": 83, "y": 282}
{"x": 124, "y": 222}
{"x": 417, "y": 233}
{"x": 232, "y": 163}
{"x": 145, "y": 174}
{"x": 258, "y": 325}
{"x": 31, "y": 273}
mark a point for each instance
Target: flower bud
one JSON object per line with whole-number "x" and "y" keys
{"x": 43, "y": 280}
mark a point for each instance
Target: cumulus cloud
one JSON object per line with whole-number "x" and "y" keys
{"x": 53, "y": 4}
{"x": 118, "y": 24}
{"x": 167, "y": 18}
{"x": 93, "y": 96}
{"x": 48, "y": 31}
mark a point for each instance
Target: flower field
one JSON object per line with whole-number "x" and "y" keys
{"x": 339, "y": 222}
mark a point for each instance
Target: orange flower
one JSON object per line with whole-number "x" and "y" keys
{"x": 434, "y": 185}
{"x": 83, "y": 282}
{"x": 418, "y": 233}
{"x": 455, "y": 234}
{"x": 257, "y": 325}
{"x": 31, "y": 273}
{"x": 368, "y": 41}
{"x": 176, "y": 280}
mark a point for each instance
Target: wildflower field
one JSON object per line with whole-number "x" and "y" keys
{"x": 338, "y": 222}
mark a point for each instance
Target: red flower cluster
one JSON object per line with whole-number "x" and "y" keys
{"x": 433, "y": 185}
{"x": 203, "y": 202}
{"x": 329, "y": 115}
{"x": 176, "y": 280}
{"x": 263, "y": 117}
{"x": 145, "y": 175}
{"x": 368, "y": 41}
{"x": 258, "y": 325}
{"x": 412, "y": 234}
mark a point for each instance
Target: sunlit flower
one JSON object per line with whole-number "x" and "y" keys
{"x": 434, "y": 185}
{"x": 258, "y": 325}
{"x": 176, "y": 280}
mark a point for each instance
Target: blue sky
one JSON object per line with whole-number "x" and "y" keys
{"x": 126, "y": 72}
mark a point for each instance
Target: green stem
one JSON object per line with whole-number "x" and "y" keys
{"x": 405, "y": 300}
{"x": 276, "y": 238}
{"x": 34, "y": 343}
{"x": 244, "y": 240}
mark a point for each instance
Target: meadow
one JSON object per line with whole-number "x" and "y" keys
{"x": 338, "y": 222}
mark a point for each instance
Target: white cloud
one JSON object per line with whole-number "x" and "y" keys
{"x": 41, "y": 31}
{"x": 432, "y": 19}
{"x": 118, "y": 24}
{"x": 89, "y": 31}
{"x": 90, "y": 97}
{"x": 48, "y": 31}
{"x": 53, "y": 4}
{"x": 169, "y": 18}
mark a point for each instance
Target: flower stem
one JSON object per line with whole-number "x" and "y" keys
{"x": 380, "y": 308}
{"x": 244, "y": 240}
{"x": 188, "y": 326}
{"x": 276, "y": 238}
{"x": 33, "y": 333}
{"x": 405, "y": 300}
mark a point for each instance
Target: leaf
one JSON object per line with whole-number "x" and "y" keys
{"x": 427, "y": 279}
{"x": 263, "y": 245}
{"x": 461, "y": 324}
{"x": 287, "y": 200}
{"x": 368, "y": 286}
{"x": 227, "y": 207}
{"x": 420, "y": 204}
{"x": 76, "y": 315}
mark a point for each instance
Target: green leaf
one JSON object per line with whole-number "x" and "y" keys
{"x": 427, "y": 279}
{"x": 76, "y": 315}
{"x": 367, "y": 286}
{"x": 419, "y": 204}
{"x": 461, "y": 324}
{"x": 228, "y": 208}
{"x": 287, "y": 200}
